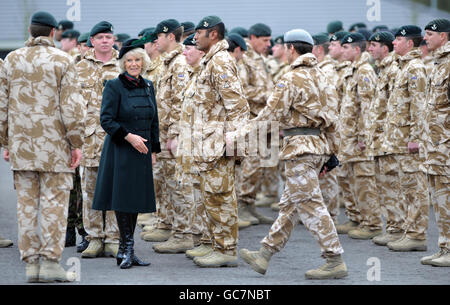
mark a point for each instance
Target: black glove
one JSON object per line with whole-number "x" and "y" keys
{"x": 330, "y": 164}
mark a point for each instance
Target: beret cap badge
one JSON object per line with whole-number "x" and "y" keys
{"x": 165, "y": 29}
{"x": 205, "y": 24}
{"x": 349, "y": 39}
{"x": 434, "y": 27}
{"x": 403, "y": 32}
{"x": 377, "y": 37}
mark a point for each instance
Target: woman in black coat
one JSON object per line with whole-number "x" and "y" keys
{"x": 125, "y": 178}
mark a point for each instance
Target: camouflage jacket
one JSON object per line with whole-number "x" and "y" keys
{"x": 283, "y": 69}
{"x": 328, "y": 67}
{"x": 354, "y": 111}
{"x": 272, "y": 64}
{"x": 387, "y": 71}
{"x": 169, "y": 96}
{"x": 428, "y": 61}
{"x": 41, "y": 113}
{"x": 153, "y": 73}
{"x": 344, "y": 71}
{"x": 303, "y": 98}
{"x": 437, "y": 120}
{"x": 218, "y": 105}
{"x": 93, "y": 75}
{"x": 256, "y": 80}
{"x": 405, "y": 105}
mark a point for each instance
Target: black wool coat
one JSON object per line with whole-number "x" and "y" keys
{"x": 125, "y": 176}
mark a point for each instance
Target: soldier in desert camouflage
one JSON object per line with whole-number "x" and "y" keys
{"x": 41, "y": 130}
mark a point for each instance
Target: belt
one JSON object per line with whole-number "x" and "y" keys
{"x": 301, "y": 131}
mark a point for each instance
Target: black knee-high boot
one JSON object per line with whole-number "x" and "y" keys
{"x": 135, "y": 260}
{"x": 121, "y": 224}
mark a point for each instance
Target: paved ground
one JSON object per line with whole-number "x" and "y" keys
{"x": 286, "y": 268}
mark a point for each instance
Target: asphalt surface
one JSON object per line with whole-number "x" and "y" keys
{"x": 368, "y": 264}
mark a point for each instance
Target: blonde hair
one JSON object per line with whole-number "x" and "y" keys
{"x": 139, "y": 53}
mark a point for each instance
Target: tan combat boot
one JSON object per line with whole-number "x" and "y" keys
{"x": 32, "y": 272}
{"x": 94, "y": 249}
{"x": 334, "y": 268}
{"x": 202, "y": 250}
{"x": 258, "y": 260}
{"x": 407, "y": 244}
{"x": 146, "y": 219}
{"x": 51, "y": 271}
{"x": 265, "y": 201}
{"x": 111, "y": 250}
{"x": 244, "y": 215}
{"x": 442, "y": 261}
{"x": 263, "y": 219}
{"x": 243, "y": 223}
{"x": 275, "y": 206}
{"x": 216, "y": 259}
{"x": 175, "y": 245}
{"x": 5, "y": 242}
{"x": 157, "y": 235}
{"x": 427, "y": 260}
{"x": 364, "y": 233}
{"x": 346, "y": 227}
{"x": 383, "y": 239}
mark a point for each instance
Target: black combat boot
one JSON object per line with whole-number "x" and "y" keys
{"x": 84, "y": 243}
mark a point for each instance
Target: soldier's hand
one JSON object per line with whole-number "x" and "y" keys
{"x": 323, "y": 172}
{"x": 137, "y": 142}
{"x": 6, "y": 155}
{"x": 361, "y": 146}
{"x": 76, "y": 158}
{"x": 173, "y": 145}
{"x": 413, "y": 147}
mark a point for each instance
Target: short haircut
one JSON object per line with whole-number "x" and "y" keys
{"x": 361, "y": 44}
{"x": 325, "y": 46}
{"x": 187, "y": 33}
{"x": 231, "y": 45}
{"x": 416, "y": 40}
{"x": 178, "y": 32}
{"x": 300, "y": 47}
{"x": 37, "y": 30}
{"x": 219, "y": 28}
{"x": 138, "y": 52}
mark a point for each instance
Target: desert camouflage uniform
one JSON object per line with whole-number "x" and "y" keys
{"x": 272, "y": 64}
{"x": 402, "y": 125}
{"x": 169, "y": 96}
{"x": 329, "y": 183}
{"x": 437, "y": 143}
{"x": 345, "y": 198}
{"x": 41, "y": 121}
{"x": 93, "y": 75}
{"x": 257, "y": 84}
{"x": 428, "y": 61}
{"x": 386, "y": 165}
{"x": 301, "y": 99}
{"x": 284, "y": 68}
{"x": 354, "y": 119}
{"x": 218, "y": 106}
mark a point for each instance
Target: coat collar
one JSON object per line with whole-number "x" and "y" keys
{"x": 90, "y": 55}
{"x": 219, "y": 46}
{"x": 40, "y": 41}
{"x": 130, "y": 85}
{"x": 168, "y": 57}
{"x": 306, "y": 60}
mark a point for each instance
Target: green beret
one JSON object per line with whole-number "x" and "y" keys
{"x": 239, "y": 40}
{"x": 338, "y": 36}
{"x": 65, "y": 25}
{"x": 141, "y": 33}
{"x": 379, "y": 28}
{"x": 353, "y": 37}
{"x": 70, "y": 34}
{"x": 279, "y": 40}
{"x": 298, "y": 35}
{"x": 438, "y": 25}
{"x": 239, "y": 30}
{"x": 320, "y": 39}
{"x": 357, "y": 26}
{"x": 190, "y": 41}
{"x": 365, "y": 32}
{"x": 147, "y": 36}
{"x": 122, "y": 37}
{"x": 167, "y": 26}
{"x": 88, "y": 43}
{"x": 335, "y": 26}
{"x": 83, "y": 37}
{"x": 208, "y": 22}
{"x": 188, "y": 26}
{"x": 43, "y": 18}
{"x": 409, "y": 31}
{"x": 101, "y": 27}
{"x": 383, "y": 36}
{"x": 259, "y": 30}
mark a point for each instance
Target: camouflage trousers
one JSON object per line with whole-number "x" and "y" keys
{"x": 220, "y": 202}
{"x": 42, "y": 198}
{"x": 391, "y": 204}
{"x": 248, "y": 180}
{"x": 172, "y": 207}
{"x": 330, "y": 193}
{"x": 302, "y": 198}
{"x": 440, "y": 198}
{"x": 345, "y": 193}
{"x": 97, "y": 224}
{"x": 270, "y": 181}
{"x": 414, "y": 193}
{"x": 190, "y": 187}
{"x": 75, "y": 218}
